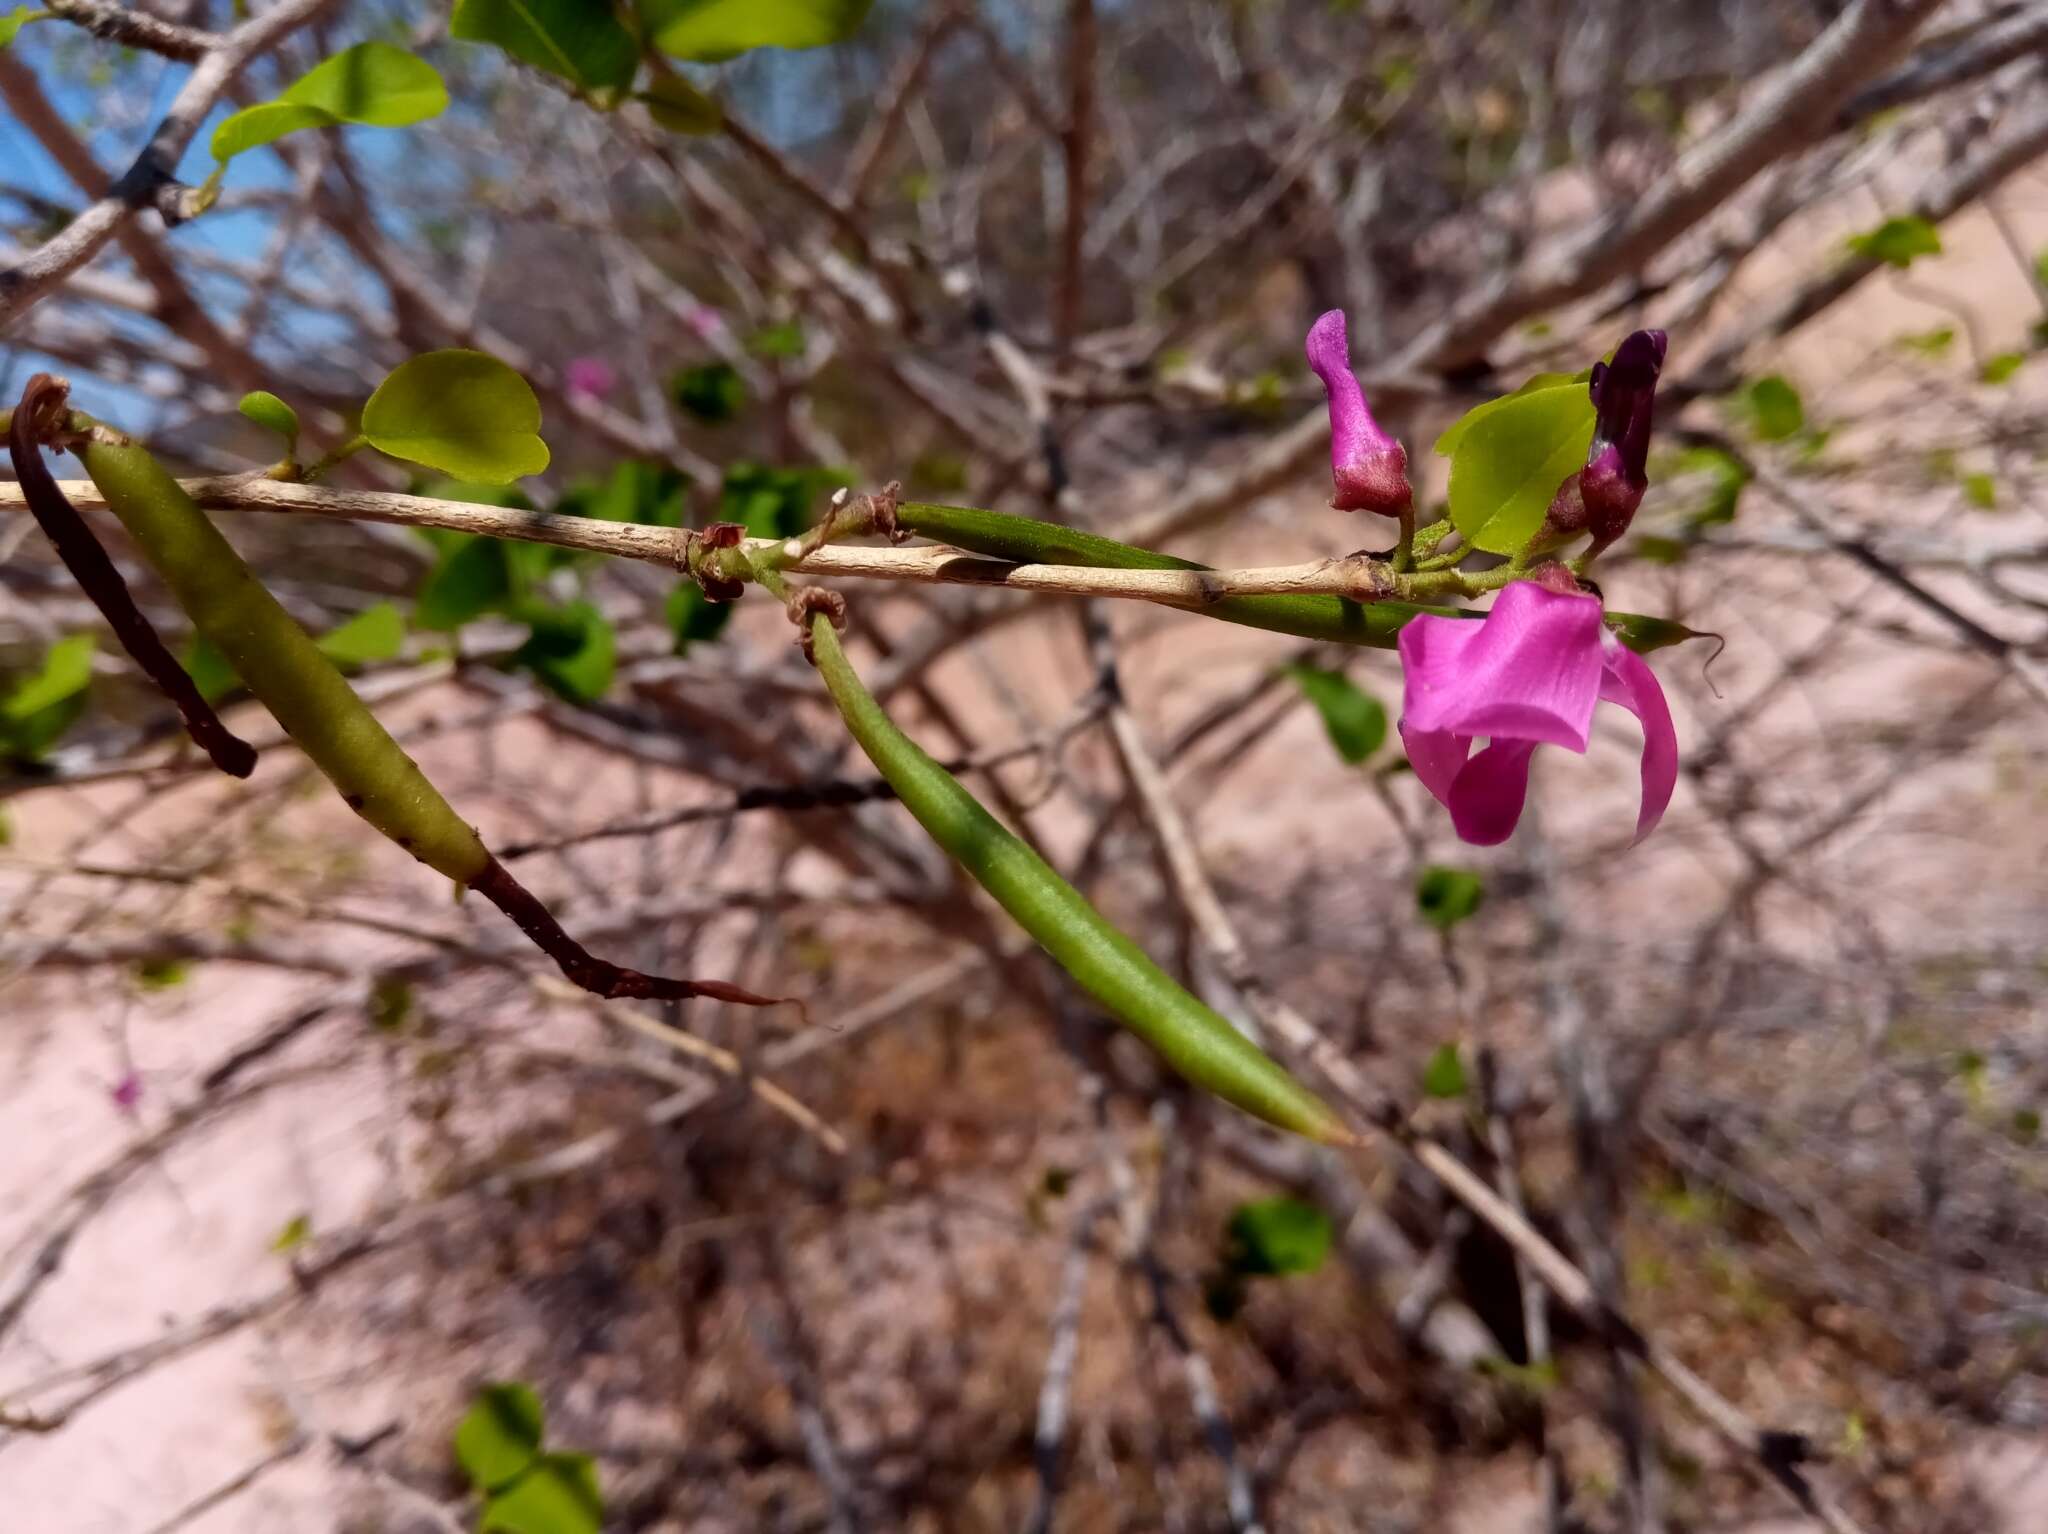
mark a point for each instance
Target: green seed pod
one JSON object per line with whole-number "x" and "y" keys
{"x": 281, "y": 664}
{"x": 1193, "y": 1039}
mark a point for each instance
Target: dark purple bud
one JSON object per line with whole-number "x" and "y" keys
{"x": 1624, "y": 394}
{"x": 1370, "y": 468}
{"x": 127, "y": 1092}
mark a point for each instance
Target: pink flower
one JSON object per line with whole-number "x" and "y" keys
{"x": 590, "y": 378}
{"x": 1528, "y": 675}
{"x": 1370, "y": 467}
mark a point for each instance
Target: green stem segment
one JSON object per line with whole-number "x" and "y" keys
{"x": 1374, "y": 625}
{"x": 1194, "y": 1039}
{"x": 1026, "y": 540}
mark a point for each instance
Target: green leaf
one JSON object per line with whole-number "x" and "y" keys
{"x": 2001, "y": 368}
{"x": 66, "y": 669}
{"x": 273, "y": 415}
{"x": 374, "y": 634}
{"x": 473, "y": 578}
{"x": 209, "y": 669}
{"x": 1356, "y": 722}
{"x": 373, "y": 84}
{"x": 1443, "y": 1074}
{"x": 1981, "y": 491}
{"x": 296, "y": 1232}
{"x": 1506, "y": 465}
{"x": 265, "y": 123}
{"x": 1446, "y": 896}
{"x": 1898, "y": 241}
{"x": 679, "y": 106}
{"x": 718, "y": 29}
{"x": 1930, "y": 343}
{"x": 559, "y": 1495}
{"x": 1644, "y": 634}
{"x": 461, "y": 412}
{"x": 653, "y": 494}
{"x": 694, "y": 618}
{"x": 2041, "y": 268}
{"x": 162, "y": 974}
{"x": 783, "y": 342}
{"x": 1774, "y": 408}
{"x": 14, "y": 21}
{"x": 35, "y": 715}
{"x": 1726, "y": 477}
{"x": 713, "y": 393}
{"x": 580, "y": 41}
{"x": 391, "y": 1004}
{"x": 1276, "y": 1236}
{"x": 1447, "y": 444}
{"x": 774, "y": 503}
{"x": 499, "y": 1436}
{"x": 2025, "y": 1125}
{"x": 1533, "y": 1380}
{"x": 573, "y": 650}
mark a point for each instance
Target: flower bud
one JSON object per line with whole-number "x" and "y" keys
{"x": 1369, "y": 467}
{"x": 1624, "y": 395}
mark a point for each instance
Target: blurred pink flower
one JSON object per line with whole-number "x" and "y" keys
{"x": 1370, "y": 468}
{"x": 590, "y": 378}
{"x": 705, "y": 320}
{"x": 127, "y": 1092}
{"x": 1529, "y": 674}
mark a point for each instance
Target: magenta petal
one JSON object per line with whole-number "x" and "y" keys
{"x": 1353, "y": 432}
{"x": 1486, "y": 801}
{"x": 1530, "y": 671}
{"x": 1369, "y": 468}
{"x": 1628, "y": 680}
{"x": 1437, "y": 757}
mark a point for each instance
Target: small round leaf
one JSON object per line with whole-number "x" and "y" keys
{"x": 1278, "y": 1235}
{"x": 1507, "y": 462}
{"x": 559, "y": 1495}
{"x": 272, "y": 414}
{"x": 499, "y": 1436}
{"x": 1446, "y": 896}
{"x": 461, "y": 412}
{"x": 719, "y": 29}
{"x": 15, "y": 20}
{"x": 253, "y": 127}
{"x": 374, "y": 84}
{"x": 1444, "y": 1074}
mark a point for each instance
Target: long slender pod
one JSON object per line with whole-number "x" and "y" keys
{"x": 42, "y": 403}
{"x": 288, "y": 674}
{"x": 1373, "y": 625}
{"x": 1194, "y": 1039}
